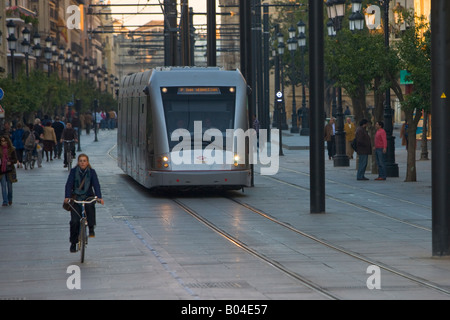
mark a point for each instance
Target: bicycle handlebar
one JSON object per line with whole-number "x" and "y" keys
{"x": 86, "y": 202}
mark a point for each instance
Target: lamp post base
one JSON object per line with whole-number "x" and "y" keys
{"x": 295, "y": 130}
{"x": 392, "y": 170}
{"x": 341, "y": 161}
{"x": 304, "y": 132}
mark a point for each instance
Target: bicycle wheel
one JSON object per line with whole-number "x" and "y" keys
{"x": 69, "y": 160}
{"x": 82, "y": 241}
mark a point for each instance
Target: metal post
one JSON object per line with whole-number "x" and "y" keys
{"x": 294, "y": 127}
{"x": 440, "y": 95}
{"x": 340, "y": 159}
{"x": 246, "y": 54}
{"x": 316, "y": 74}
{"x": 211, "y": 33}
{"x": 78, "y": 110}
{"x": 266, "y": 116}
{"x": 259, "y": 56}
{"x": 305, "y": 112}
{"x": 185, "y": 34}
{"x": 279, "y": 106}
{"x": 277, "y": 82}
{"x": 391, "y": 166}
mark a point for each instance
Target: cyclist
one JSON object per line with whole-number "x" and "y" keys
{"x": 81, "y": 184}
{"x": 69, "y": 134}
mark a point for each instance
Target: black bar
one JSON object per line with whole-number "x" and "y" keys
{"x": 316, "y": 75}
{"x": 440, "y": 69}
{"x": 391, "y": 166}
{"x": 266, "y": 108}
{"x": 211, "y": 33}
{"x": 245, "y": 20}
{"x": 170, "y": 33}
{"x": 185, "y": 34}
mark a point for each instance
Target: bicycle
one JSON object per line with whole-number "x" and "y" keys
{"x": 68, "y": 147}
{"x": 82, "y": 237}
{"x": 29, "y": 159}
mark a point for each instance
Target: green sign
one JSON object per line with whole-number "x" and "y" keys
{"x": 403, "y": 76}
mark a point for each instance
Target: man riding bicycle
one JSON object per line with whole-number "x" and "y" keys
{"x": 81, "y": 184}
{"x": 69, "y": 134}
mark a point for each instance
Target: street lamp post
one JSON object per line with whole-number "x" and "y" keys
{"x": 12, "y": 41}
{"x": 391, "y": 166}
{"x": 292, "y": 46}
{"x": 302, "y": 44}
{"x": 336, "y": 11}
{"x": 282, "y": 114}
{"x": 26, "y": 48}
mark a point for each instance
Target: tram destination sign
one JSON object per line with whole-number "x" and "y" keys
{"x": 199, "y": 90}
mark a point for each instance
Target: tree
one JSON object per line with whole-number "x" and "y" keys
{"x": 414, "y": 51}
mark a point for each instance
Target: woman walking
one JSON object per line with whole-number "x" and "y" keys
{"x": 49, "y": 140}
{"x": 81, "y": 184}
{"x": 8, "y": 176}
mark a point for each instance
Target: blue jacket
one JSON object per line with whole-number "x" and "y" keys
{"x": 94, "y": 189}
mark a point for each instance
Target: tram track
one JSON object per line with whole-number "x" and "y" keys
{"x": 295, "y": 275}
{"x": 356, "y": 205}
{"x": 306, "y": 282}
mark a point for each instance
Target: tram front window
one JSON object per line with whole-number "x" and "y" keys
{"x": 212, "y": 108}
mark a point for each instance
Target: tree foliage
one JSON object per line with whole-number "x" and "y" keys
{"x": 39, "y": 94}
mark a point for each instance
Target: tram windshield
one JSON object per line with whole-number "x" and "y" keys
{"x": 210, "y": 107}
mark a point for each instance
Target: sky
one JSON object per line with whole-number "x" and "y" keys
{"x": 197, "y": 5}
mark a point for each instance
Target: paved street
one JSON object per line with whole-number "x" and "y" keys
{"x": 148, "y": 248}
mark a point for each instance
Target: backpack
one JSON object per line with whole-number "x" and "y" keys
{"x": 30, "y": 142}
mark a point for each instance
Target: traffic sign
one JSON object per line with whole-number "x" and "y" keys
{"x": 2, "y": 113}
{"x": 279, "y": 95}
{"x": 2, "y": 93}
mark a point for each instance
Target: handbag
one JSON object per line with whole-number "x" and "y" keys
{"x": 67, "y": 205}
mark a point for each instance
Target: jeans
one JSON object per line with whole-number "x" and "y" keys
{"x": 362, "y": 166}
{"x": 75, "y": 220}
{"x": 380, "y": 156}
{"x": 7, "y": 190}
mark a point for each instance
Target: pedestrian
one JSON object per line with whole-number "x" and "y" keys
{"x": 58, "y": 126}
{"x": 68, "y": 134}
{"x": 88, "y": 122}
{"x": 380, "y": 149}
{"x": 363, "y": 149}
{"x": 49, "y": 140}
{"x": 81, "y": 184}
{"x": 404, "y": 134}
{"x": 350, "y": 130}
{"x": 39, "y": 135}
{"x": 17, "y": 139}
{"x": 8, "y": 175}
{"x": 329, "y": 137}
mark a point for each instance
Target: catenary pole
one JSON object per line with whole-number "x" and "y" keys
{"x": 316, "y": 155}
{"x": 440, "y": 65}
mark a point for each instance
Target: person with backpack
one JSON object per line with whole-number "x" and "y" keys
{"x": 17, "y": 139}
{"x": 29, "y": 145}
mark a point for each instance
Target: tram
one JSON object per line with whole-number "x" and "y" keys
{"x": 176, "y": 128}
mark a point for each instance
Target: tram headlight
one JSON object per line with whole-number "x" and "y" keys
{"x": 236, "y": 160}
{"x": 163, "y": 162}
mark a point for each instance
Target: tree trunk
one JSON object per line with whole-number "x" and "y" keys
{"x": 413, "y": 120}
